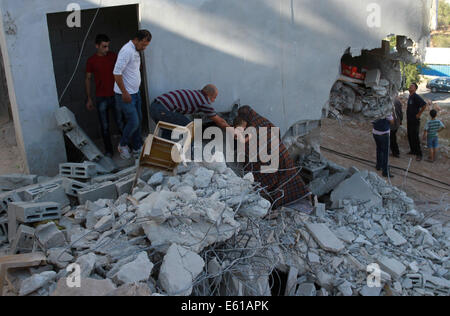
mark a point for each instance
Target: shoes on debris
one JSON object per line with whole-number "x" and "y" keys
{"x": 124, "y": 152}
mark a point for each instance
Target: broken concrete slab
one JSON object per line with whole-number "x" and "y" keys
{"x": 59, "y": 257}
{"x": 49, "y": 236}
{"x": 325, "y": 238}
{"x": 396, "y": 238}
{"x": 89, "y": 287}
{"x": 87, "y": 264}
{"x": 93, "y": 193}
{"x": 179, "y": 269}
{"x": 156, "y": 179}
{"x": 392, "y": 266}
{"x": 124, "y": 186}
{"x": 356, "y": 188}
{"x": 36, "y": 282}
{"x": 65, "y": 119}
{"x": 10, "y": 182}
{"x": 370, "y": 291}
{"x": 345, "y": 235}
{"x": 138, "y": 270}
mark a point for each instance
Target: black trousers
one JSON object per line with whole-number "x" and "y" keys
{"x": 382, "y": 142}
{"x": 414, "y": 138}
{"x": 394, "y": 145}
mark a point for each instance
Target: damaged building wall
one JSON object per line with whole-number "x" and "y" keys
{"x": 278, "y": 56}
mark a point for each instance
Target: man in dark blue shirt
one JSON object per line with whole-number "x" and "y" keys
{"x": 416, "y": 107}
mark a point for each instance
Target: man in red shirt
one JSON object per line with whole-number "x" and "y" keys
{"x": 101, "y": 65}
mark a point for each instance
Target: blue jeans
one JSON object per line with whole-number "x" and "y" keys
{"x": 104, "y": 106}
{"x": 159, "y": 112}
{"x": 382, "y": 142}
{"x": 132, "y": 131}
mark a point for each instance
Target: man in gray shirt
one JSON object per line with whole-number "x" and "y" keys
{"x": 127, "y": 77}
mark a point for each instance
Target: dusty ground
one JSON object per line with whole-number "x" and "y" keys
{"x": 10, "y": 158}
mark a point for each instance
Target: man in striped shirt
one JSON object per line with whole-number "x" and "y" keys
{"x": 172, "y": 107}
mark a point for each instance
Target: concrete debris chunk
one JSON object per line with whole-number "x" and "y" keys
{"x": 306, "y": 289}
{"x": 392, "y": 266}
{"x": 356, "y": 188}
{"x": 179, "y": 268}
{"x": 49, "y": 236}
{"x": 203, "y": 177}
{"x": 156, "y": 179}
{"x": 87, "y": 264}
{"x": 325, "y": 238}
{"x": 138, "y": 270}
{"x": 10, "y": 182}
{"x": 396, "y": 238}
{"x": 370, "y": 291}
{"x": 59, "y": 257}
{"x": 36, "y": 282}
{"x": 24, "y": 240}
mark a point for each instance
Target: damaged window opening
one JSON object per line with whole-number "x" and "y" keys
{"x": 368, "y": 84}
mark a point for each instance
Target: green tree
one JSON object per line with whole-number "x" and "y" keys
{"x": 444, "y": 14}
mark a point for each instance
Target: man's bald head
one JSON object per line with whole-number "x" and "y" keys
{"x": 211, "y": 91}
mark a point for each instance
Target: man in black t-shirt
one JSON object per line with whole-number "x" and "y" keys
{"x": 416, "y": 107}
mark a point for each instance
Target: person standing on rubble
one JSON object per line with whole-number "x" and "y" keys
{"x": 101, "y": 65}
{"x": 381, "y": 134}
{"x": 127, "y": 74}
{"x": 398, "y": 121}
{"x": 416, "y": 107}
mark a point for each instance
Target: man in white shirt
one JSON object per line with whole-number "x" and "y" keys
{"x": 127, "y": 75}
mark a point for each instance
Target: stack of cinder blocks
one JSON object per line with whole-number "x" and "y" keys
{"x": 67, "y": 122}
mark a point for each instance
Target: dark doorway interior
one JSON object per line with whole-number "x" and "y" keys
{"x": 120, "y": 23}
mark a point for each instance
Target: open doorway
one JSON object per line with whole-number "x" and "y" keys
{"x": 120, "y": 23}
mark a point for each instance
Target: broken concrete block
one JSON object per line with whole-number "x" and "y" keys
{"x": 47, "y": 192}
{"x": 320, "y": 210}
{"x": 325, "y": 238}
{"x": 346, "y": 289}
{"x": 24, "y": 240}
{"x": 106, "y": 190}
{"x": 36, "y": 282}
{"x": 395, "y": 268}
{"x": 356, "y": 188}
{"x": 59, "y": 257}
{"x": 138, "y": 270}
{"x": 124, "y": 186}
{"x": 179, "y": 268}
{"x": 396, "y": 238}
{"x": 87, "y": 264}
{"x": 306, "y": 290}
{"x": 345, "y": 235}
{"x": 78, "y": 170}
{"x": 49, "y": 236}
{"x": 72, "y": 187}
{"x": 203, "y": 177}
{"x": 12, "y": 182}
{"x": 322, "y": 186}
{"x": 258, "y": 209}
{"x": 65, "y": 119}
{"x": 104, "y": 224}
{"x": 370, "y": 291}
{"x": 35, "y": 212}
{"x": 89, "y": 287}
{"x": 313, "y": 258}
{"x": 156, "y": 179}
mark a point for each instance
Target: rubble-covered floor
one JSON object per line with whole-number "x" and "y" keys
{"x": 203, "y": 232}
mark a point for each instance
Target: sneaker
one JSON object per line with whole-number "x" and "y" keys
{"x": 124, "y": 152}
{"x": 137, "y": 152}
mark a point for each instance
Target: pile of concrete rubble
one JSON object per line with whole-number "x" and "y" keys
{"x": 204, "y": 231}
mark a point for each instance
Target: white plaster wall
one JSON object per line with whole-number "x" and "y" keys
{"x": 279, "y": 56}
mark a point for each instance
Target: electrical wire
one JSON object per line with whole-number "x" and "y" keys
{"x": 81, "y": 53}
